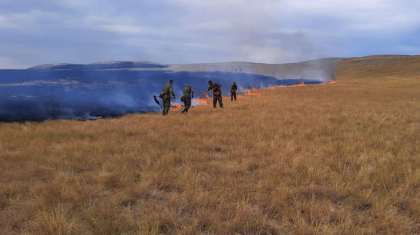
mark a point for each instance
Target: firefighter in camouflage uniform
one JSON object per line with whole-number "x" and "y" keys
{"x": 187, "y": 95}
{"x": 167, "y": 91}
{"x": 233, "y": 89}
{"x": 217, "y": 93}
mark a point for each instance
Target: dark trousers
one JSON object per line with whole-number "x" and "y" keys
{"x": 187, "y": 104}
{"x": 166, "y": 105}
{"x": 232, "y": 96}
{"x": 217, "y": 98}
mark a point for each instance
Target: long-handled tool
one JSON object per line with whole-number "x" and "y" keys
{"x": 156, "y": 100}
{"x": 205, "y": 93}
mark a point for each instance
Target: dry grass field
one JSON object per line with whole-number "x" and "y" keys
{"x": 325, "y": 159}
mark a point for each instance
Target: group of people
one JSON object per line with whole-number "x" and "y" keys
{"x": 188, "y": 94}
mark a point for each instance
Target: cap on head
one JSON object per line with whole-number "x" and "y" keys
{"x": 234, "y": 83}
{"x": 187, "y": 84}
{"x": 170, "y": 80}
{"x": 210, "y": 81}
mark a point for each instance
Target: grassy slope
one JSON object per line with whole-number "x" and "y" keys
{"x": 379, "y": 66}
{"x": 326, "y": 159}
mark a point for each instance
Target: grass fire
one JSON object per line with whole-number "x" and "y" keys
{"x": 340, "y": 158}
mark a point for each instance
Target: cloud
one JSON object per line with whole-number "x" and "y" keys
{"x": 190, "y": 31}
{"x": 363, "y": 15}
{"x": 124, "y": 29}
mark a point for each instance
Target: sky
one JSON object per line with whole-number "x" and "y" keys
{"x": 34, "y": 32}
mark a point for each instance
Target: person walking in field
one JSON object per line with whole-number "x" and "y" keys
{"x": 167, "y": 91}
{"x": 187, "y": 95}
{"x": 233, "y": 89}
{"x": 217, "y": 93}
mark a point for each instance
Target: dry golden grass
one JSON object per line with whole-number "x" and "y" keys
{"x": 325, "y": 159}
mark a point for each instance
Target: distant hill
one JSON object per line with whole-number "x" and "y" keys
{"x": 328, "y": 68}
{"x": 378, "y": 66}
{"x": 101, "y": 65}
{"x": 321, "y": 69}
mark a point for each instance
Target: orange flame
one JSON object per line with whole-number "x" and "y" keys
{"x": 332, "y": 82}
{"x": 205, "y": 96}
{"x": 300, "y": 84}
{"x": 271, "y": 88}
{"x": 175, "y": 106}
{"x": 252, "y": 93}
{"x": 202, "y": 101}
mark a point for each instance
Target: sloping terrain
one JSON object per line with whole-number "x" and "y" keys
{"x": 325, "y": 69}
{"x": 324, "y": 159}
{"x": 379, "y": 66}
{"x": 322, "y": 69}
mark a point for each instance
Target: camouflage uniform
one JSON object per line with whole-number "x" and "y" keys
{"x": 167, "y": 91}
{"x": 187, "y": 95}
{"x": 217, "y": 94}
{"x": 233, "y": 89}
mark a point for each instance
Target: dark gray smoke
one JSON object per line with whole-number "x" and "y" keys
{"x": 83, "y": 92}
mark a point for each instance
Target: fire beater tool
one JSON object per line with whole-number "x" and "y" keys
{"x": 156, "y": 100}
{"x": 205, "y": 93}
